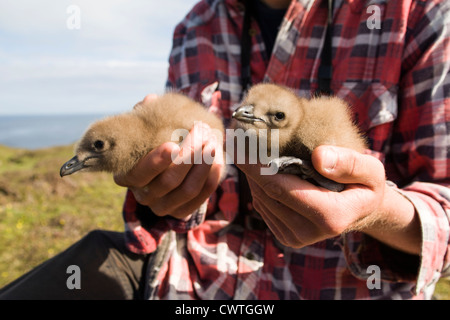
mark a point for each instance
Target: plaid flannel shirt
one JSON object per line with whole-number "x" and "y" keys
{"x": 395, "y": 77}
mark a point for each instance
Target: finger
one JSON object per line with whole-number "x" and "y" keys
{"x": 270, "y": 221}
{"x": 198, "y": 137}
{"x": 321, "y": 208}
{"x": 208, "y": 188}
{"x": 150, "y": 97}
{"x": 190, "y": 154}
{"x": 199, "y": 183}
{"x": 142, "y": 195}
{"x": 297, "y": 230}
{"x": 293, "y": 192}
{"x": 175, "y": 173}
{"x": 348, "y": 166}
{"x": 193, "y": 143}
{"x": 305, "y": 212}
{"x": 150, "y": 166}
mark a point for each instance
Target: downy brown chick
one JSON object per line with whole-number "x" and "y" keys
{"x": 115, "y": 144}
{"x": 303, "y": 125}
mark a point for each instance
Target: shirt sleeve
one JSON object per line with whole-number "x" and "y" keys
{"x": 420, "y": 149}
{"x": 431, "y": 202}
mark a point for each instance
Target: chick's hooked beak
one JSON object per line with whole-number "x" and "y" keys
{"x": 72, "y": 166}
{"x": 245, "y": 114}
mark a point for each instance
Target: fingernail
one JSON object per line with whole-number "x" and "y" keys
{"x": 330, "y": 159}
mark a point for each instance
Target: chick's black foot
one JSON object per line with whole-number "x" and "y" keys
{"x": 305, "y": 170}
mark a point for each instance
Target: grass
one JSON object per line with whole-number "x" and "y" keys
{"x": 41, "y": 213}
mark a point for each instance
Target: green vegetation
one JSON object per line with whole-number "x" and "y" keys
{"x": 41, "y": 213}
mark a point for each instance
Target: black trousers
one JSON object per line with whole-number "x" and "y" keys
{"x": 107, "y": 270}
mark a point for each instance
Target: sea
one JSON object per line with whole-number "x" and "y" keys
{"x": 43, "y": 131}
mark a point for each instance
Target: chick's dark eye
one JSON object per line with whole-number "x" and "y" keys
{"x": 279, "y": 116}
{"x": 99, "y": 144}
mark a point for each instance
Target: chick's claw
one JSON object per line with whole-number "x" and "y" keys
{"x": 305, "y": 170}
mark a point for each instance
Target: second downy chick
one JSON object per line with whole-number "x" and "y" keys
{"x": 115, "y": 144}
{"x": 303, "y": 125}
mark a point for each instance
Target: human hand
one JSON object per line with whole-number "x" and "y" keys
{"x": 176, "y": 189}
{"x": 300, "y": 213}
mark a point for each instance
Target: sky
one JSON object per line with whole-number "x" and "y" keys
{"x": 84, "y": 56}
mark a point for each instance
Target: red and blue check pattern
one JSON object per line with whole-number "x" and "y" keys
{"x": 396, "y": 80}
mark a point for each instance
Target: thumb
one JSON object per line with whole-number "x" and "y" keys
{"x": 348, "y": 166}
